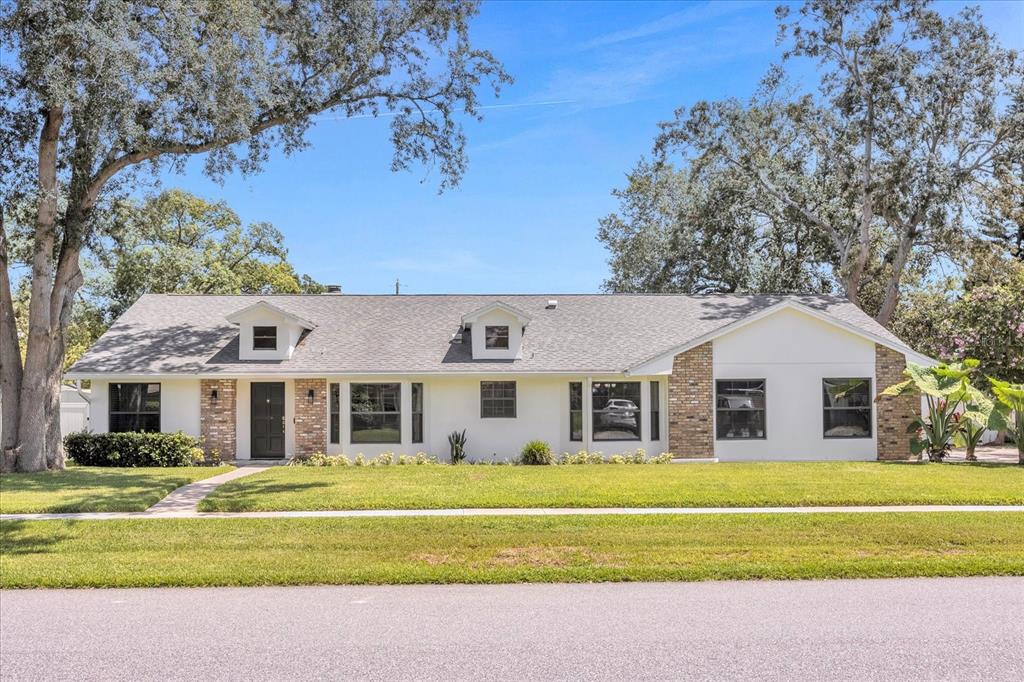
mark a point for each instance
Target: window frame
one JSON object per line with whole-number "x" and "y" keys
{"x": 639, "y": 413}
{"x": 869, "y": 408}
{"x": 353, "y": 412}
{"x": 142, "y": 404}
{"x": 763, "y": 410}
{"x": 503, "y": 399}
{"x": 574, "y": 385}
{"x": 506, "y": 337}
{"x": 334, "y": 413}
{"x": 417, "y": 413}
{"x": 264, "y": 337}
{"x": 655, "y": 409}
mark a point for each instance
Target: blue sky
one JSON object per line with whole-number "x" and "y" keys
{"x": 592, "y": 82}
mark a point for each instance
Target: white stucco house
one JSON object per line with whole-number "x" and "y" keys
{"x": 719, "y": 376}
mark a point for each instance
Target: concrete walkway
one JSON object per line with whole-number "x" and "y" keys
{"x": 186, "y": 499}
{"x": 191, "y": 513}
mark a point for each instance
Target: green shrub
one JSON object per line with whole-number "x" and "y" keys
{"x": 638, "y": 456}
{"x": 319, "y": 459}
{"x": 132, "y": 449}
{"x": 536, "y": 452}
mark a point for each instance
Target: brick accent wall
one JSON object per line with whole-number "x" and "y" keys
{"x": 691, "y": 404}
{"x": 217, "y": 419}
{"x": 894, "y": 413}
{"x": 310, "y": 417}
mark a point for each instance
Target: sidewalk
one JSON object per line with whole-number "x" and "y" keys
{"x": 186, "y": 499}
{"x": 190, "y": 513}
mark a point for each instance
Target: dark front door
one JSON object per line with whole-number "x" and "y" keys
{"x": 267, "y": 420}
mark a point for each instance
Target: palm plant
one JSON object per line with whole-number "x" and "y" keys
{"x": 1011, "y": 400}
{"x": 457, "y": 444}
{"x": 947, "y": 388}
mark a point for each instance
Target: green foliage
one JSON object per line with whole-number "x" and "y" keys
{"x": 849, "y": 184}
{"x": 536, "y": 452}
{"x": 133, "y": 449}
{"x": 176, "y": 242}
{"x": 457, "y": 446}
{"x": 319, "y": 459}
{"x": 682, "y": 231}
{"x": 977, "y": 316}
{"x": 1011, "y": 413}
{"x": 638, "y": 456}
{"x": 947, "y": 390}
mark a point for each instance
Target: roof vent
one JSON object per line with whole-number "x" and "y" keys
{"x": 333, "y": 289}
{"x": 552, "y": 304}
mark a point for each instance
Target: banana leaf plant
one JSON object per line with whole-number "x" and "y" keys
{"x": 979, "y": 415}
{"x": 947, "y": 390}
{"x": 1010, "y": 411}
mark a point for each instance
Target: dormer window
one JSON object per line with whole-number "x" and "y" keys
{"x": 496, "y": 337}
{"x": 264, "y": 338}
{"x": 496, "y": 331}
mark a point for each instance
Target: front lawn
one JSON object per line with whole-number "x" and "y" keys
{"x": 95, "y": 489}
{"x": 663, "y": 485}
{"x": 196, "y": 552}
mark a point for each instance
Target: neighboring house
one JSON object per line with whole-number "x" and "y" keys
{"x": 732, "y": 377}
{"x": 74, "y": 409}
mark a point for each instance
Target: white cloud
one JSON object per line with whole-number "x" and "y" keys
{"x": 691, "y": 15}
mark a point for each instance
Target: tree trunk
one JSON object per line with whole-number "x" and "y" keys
{"x": 892, "y": 289}
{"x": 35, "y": 385}
{"x": 853, "y": 278}
{"x": 66, "y": 283}
{"x": 10, "y": 361}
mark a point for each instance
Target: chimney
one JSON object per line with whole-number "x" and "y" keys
{"x": 333, "y": 289}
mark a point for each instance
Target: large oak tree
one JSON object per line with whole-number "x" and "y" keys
{"x": 909, "y": 119}
{"x": 94, "y": 92}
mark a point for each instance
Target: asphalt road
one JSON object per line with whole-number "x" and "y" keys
{"x": 858, "y": 630}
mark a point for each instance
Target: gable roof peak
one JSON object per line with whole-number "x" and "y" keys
{"x": 261, "y": 305}
{"x": 518, "y": 313}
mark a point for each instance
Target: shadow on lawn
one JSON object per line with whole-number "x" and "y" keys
{"x": 255, "y": 488}
{"x": 959, "y": 464}
{"x": 98, "y": 489}
{"x": 16, "y": 539}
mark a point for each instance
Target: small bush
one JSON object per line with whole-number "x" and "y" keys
{"x": 536, "y": 452}
{"x": 319, "y": 459}
{"x": 638, "y": 456}
{"x": 131, "y": 449}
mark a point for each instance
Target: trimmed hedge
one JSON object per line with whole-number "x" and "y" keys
{"x": 133, "y": 449}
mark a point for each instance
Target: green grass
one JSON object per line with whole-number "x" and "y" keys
{"x": 196, "y": 552}
{"x": 667, "y": 485}
{"x": 94, "y": 489}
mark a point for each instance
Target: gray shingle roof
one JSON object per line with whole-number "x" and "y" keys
{"x": 409, "y": 334}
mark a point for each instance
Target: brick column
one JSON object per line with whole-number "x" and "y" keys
{"x": 894, "y": 413}
{"x": 691, "y": 404}
{"x": 217, "y": 418}
{"x": 310, "y": 417}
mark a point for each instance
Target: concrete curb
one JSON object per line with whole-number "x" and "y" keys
{"x": 152, "y": 513}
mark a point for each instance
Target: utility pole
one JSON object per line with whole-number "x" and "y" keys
{"x": 398, "y": 287}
